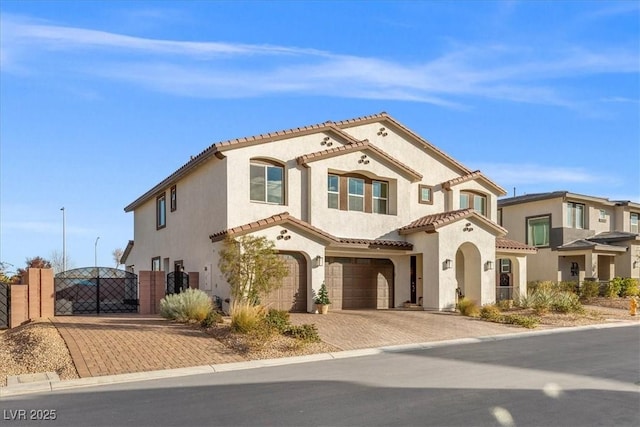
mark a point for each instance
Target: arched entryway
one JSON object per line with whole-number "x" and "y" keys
{"x": 468, "y": 271}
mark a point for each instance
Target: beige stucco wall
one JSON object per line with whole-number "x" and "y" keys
{"x": 201, "y": 210}
{"x": 514, "y": 216}
{"x": 439, "y": 284}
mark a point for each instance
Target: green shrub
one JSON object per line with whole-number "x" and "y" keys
{"x": 468, "y": 307}
{"x": 490, "y": 312}
{"x": 566, "y": 302}
{"x": 192, "y": 305}
{"x": 529, "y": 322}
{"x": 246, "y": 317}
{"x": 306, "y": 332}
{"x": 613, "y": 288}
{"x": 278, "y": 320}
{"x": 525, "y": 301}
{"x": 505, "y": 304}
{"x": 212, "y": 318}
{"x": 629, "y": 288}
{"x": 589, "y": 289}
{"x": 568, "y": 286}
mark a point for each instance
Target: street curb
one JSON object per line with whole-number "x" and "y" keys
{"x": 48, "y": 386}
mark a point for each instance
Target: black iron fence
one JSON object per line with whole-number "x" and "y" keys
{"x": 4, "y": 305}
{"x": 177, "y": 281}
{"x": 95, "y": 290}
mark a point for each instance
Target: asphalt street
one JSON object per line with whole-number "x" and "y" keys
{"x": 577, "y": 378}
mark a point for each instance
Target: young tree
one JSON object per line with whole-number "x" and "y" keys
{"x": 252, "y": 267}
{"x": 35, "y": 262}
{"x": 117, "y": 256}
{"x": 58, "y": 263}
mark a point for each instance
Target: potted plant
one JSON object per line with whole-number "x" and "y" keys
{"x": 322, "y": 300}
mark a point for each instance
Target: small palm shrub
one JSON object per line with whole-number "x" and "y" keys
{"x": 543, "y": 299}
{"x": 490, "y": 312}
{"x": 589, "y": 289}
{"x": 566, "y": 302}
{"x": 245, "y": 316}
{"x": 468, "y": 307}
{"x": 192, "y": 305}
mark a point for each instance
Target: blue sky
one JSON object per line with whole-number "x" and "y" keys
{"x": 101, "y": 100}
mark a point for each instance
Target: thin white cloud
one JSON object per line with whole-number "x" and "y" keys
{"x": 43, "y": 227}
{"x": 533, "y": 174}
{"x": 231, "y": 70}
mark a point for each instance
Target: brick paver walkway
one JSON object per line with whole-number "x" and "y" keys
{"x": 356, "y": 329}
{"x": 119, "y": 344}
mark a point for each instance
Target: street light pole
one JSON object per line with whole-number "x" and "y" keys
{"x": 64, "y": 242}
{"x": 95, "y": 251}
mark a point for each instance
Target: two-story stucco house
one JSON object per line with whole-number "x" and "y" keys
{"x": 365, "y": 205}
{"x": 578, "y": 237}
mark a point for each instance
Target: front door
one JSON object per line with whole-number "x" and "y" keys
{"x": 413, "y": 280}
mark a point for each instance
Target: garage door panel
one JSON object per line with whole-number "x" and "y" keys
{"x": 292, "y": 296}
{"x": 364, "y": 282}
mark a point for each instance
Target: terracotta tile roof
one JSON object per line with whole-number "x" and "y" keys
{"x": 285, "y": 217}
{"x": 502, "y": 243}
{"x": 471, "y": 176}
{"x": 277, "y": 219}
{"x": 399, "y": 244}
{"x": 431, "y": 223}
{"x": 358, "y": 146}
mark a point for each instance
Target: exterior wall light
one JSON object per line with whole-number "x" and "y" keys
{"x": 447, "y": 264}
{"x": 488, "y": 265}
{"x": 318, "y": 261}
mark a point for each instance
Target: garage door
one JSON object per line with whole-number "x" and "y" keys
{"x": 360, "y": 282}
{"x": 292, "y": 296}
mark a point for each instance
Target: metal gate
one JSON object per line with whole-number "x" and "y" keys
{"x": 95, "y": 290}
{"x": 177, "y": 281}
{"x": 4, "y": 305}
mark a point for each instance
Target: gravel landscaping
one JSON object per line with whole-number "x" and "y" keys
{"x": 38, "y": 347}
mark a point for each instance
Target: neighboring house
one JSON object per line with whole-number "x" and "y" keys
{"x": 578, "y": 237}
{"x": 365, "y": 205}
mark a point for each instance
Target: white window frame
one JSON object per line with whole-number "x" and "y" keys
{"x": 355, "y": 195}
{"x": 379, "y": 198}
{"x": 333, "y": 193}
{"x": 634, "y": 225}
{"x": 265, "y": 196}
{"x": 573, "y": 216}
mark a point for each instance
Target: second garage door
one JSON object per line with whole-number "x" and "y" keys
{"x": 356, "y": 283}
{"x": 292, "y": 296}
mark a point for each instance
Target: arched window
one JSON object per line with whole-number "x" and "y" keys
{"x": 266, "y": 182}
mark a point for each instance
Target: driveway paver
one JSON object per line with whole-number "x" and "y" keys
{"x": 357, "y": 329}
{"x": 120, "y": 344}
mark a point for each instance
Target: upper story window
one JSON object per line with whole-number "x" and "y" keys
{"x": 266, "y": 183}
{"x": 634, "y": 222}
{"x": 602, "y": 215}
{"x": 333, "y": 191}
{"x": 356, "y": 194}
{"x": 538, "y": 230}
{"x": 500, "y": 216}
{"x": 155, "y": 264}
{"x": 425, "y": 194}
{"x": 575, "y": 215}
{"x": 161, "y": 211}
{"x": 473, "y": 200}
{"x": 380, "y": 196}
{"x": 174, "y": 198}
